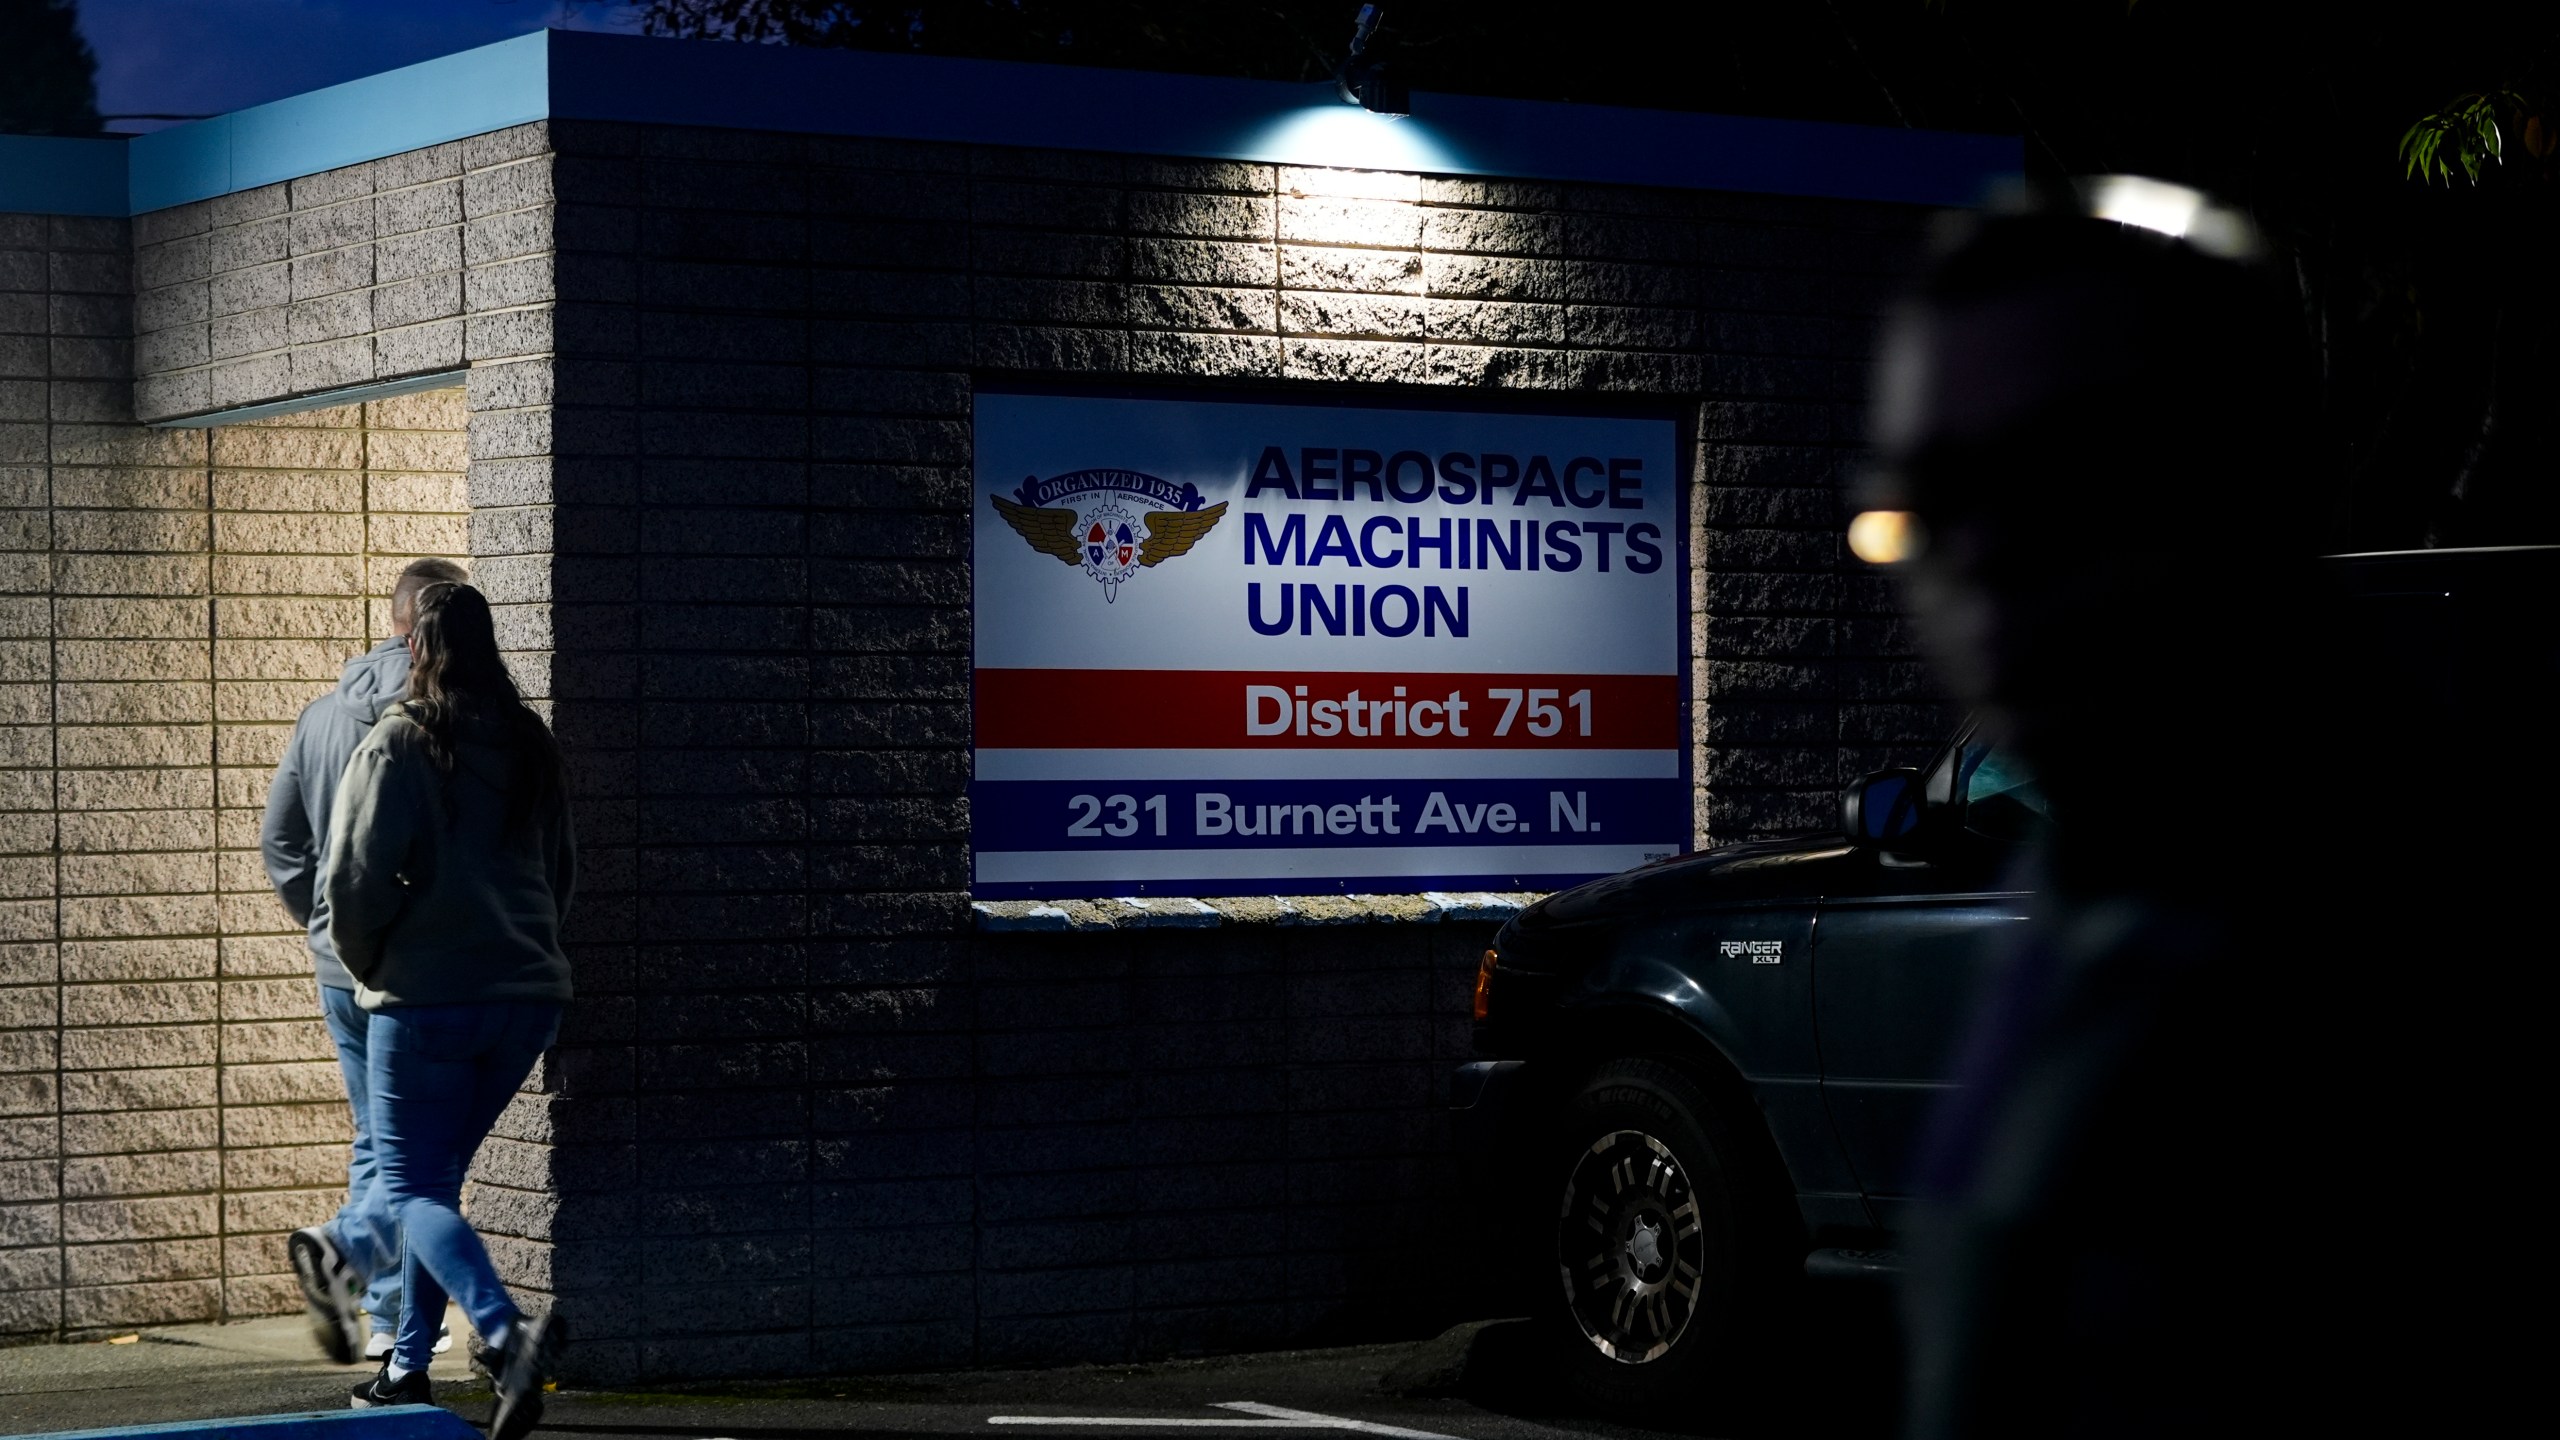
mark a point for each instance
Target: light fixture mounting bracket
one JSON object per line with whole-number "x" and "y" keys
{"x": 1367, "y": 80}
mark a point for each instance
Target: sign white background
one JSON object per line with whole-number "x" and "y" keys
{"x": 1188, "y": 613}
{"x": 1114, "y": 739}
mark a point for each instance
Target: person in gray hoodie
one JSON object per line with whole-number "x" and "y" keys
{"x": 448, "y": 872}
{"x": 353, "y": 1261}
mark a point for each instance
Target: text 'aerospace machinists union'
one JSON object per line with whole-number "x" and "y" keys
{"x": 1552, "y": 539}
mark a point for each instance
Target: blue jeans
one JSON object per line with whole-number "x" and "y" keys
{"x": 441, "y": 1075}
{"x": 362, "y": 1229}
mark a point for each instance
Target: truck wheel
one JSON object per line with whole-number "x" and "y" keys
{"x": 1661, "y": 1253}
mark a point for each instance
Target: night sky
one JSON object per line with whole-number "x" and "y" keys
{"x": 205, "y": 57}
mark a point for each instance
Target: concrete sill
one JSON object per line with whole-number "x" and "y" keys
{"x": 1057, "y": 916}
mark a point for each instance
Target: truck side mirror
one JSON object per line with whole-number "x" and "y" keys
{"x": 1882, "y": 808}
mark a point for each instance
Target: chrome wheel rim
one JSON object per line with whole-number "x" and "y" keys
{"x": 1630, "y": 1247}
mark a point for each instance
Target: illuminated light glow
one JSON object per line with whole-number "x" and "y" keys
{"x": 1884, "y": 537}
{"x": 2176, "y": 211}
{"x": 2146, "y": 204}
{"x": 1354, "y": 139}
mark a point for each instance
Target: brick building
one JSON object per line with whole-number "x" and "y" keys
{"x": 676, "y": 345}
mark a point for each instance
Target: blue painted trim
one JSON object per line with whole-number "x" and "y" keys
{"x": 54, "y": 175}
{"x": 586, "y": 76}
{"x": 471, "y": 93}
{"x": 991, "y": 102}
{"x": 1687, "y": 150}
{"x": 391, "y": 1422}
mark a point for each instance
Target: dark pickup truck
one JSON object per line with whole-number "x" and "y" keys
{"x": 1704, "y": 1078}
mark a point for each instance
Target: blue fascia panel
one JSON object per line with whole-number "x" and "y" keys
{"x": 471, "y": 93}
{"x": 586, "y": 76}
{"x": 1687, "y": 150}
{"x": 59, "y": 175}
{"x": 181, "y": 163}
{"x": 910, "y": 97}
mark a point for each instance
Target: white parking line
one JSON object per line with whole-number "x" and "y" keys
{"x": 1365, "y": 1427}
{"x": 1267, "y": 1417}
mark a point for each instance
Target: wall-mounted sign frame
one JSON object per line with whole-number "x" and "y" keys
{"x": 1234, "y": 643}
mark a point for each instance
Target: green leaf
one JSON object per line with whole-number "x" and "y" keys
{"x": 2464, "y": 134}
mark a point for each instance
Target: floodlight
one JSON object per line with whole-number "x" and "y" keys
{"x": 2177, "y": 211}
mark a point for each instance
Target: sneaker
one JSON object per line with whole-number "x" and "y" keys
{"x": 331, "y": 1290}
{"x": 521, "y": 1370}
{"x": 378, "y": 1346}
{"x": 409, "y": 1389}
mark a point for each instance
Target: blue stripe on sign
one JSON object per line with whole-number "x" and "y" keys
{"x": 1323, "y": 814}
{"x": 390, "y": 1422}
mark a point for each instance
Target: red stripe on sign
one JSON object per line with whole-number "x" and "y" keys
{"x": 1256, "y": 709}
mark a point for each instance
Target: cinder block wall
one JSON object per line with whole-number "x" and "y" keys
{"x": 170, "y": 599}
{"x": 403, "y": 266}
{"x": 65, "y": 307}
{"x": 806, "y": 1116}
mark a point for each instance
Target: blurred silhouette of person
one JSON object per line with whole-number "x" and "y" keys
{"x": 2158, "y": 1183}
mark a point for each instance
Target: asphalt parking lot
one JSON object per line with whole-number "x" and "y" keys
{"x": 1478, "y": 1382}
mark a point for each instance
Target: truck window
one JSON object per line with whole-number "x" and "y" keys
{"x": 2001, "y": 800}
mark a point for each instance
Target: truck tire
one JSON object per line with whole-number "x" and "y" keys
{"x": 1665, "y": 1269}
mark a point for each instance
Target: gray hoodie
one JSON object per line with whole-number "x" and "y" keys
{"x": 432, "y": 899}
{"x": 297, "y": 823}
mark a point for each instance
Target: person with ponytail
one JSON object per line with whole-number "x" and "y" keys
{"x": 448, "y": 872}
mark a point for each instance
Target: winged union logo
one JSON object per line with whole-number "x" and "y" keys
{"x": 1083, "y": 518}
